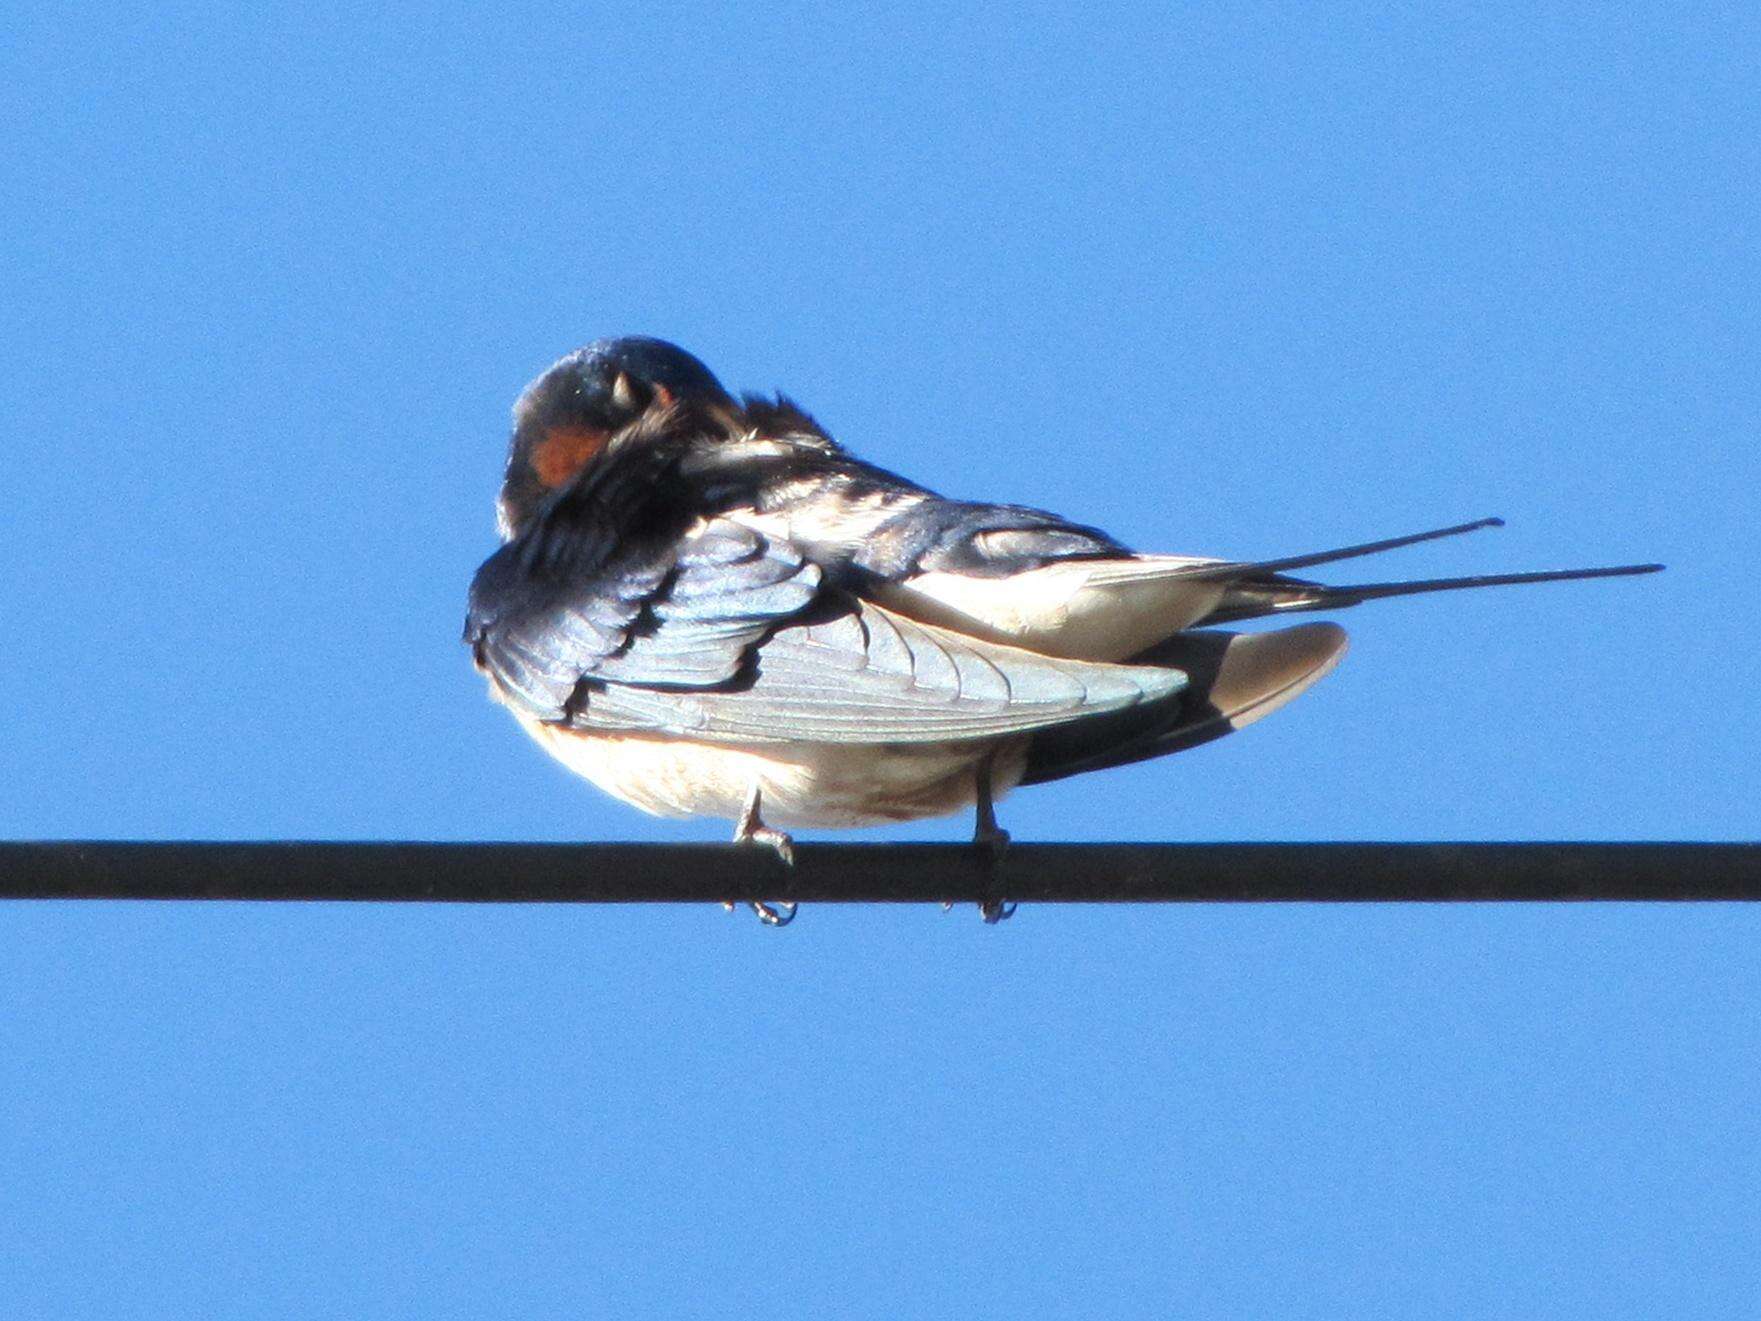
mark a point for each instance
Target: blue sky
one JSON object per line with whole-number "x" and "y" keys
{"x": 1248, "y": 281}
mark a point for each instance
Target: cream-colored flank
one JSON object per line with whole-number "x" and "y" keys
{"x": 1098, "y": 610}
{"x": 824, "y": 786}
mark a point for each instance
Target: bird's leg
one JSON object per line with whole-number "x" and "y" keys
{"x": 752, "y": 830}
{"x": 990, "y": 837}
{"x": 986, "y": 833}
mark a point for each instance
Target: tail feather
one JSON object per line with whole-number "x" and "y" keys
{"x": 1231, "y": 569}
{"x": 1251, "y": 599}
{"x": 1236, "y": 678}
{"x": 1233, "y": 679}
{"x": 1256, "y": 588}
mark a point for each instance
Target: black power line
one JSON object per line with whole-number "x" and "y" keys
{"x": 880, "y": 873}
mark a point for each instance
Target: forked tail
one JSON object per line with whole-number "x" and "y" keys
{"x": 1260, "y": 587}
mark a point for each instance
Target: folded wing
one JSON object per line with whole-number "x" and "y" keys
{"x": 733, "y": 636}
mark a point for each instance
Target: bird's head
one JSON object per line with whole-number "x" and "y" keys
{"x": 565, "y": 418}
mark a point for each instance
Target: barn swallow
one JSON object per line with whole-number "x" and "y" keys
{"x": 707, "y": 606}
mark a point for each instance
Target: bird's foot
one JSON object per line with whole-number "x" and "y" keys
{"x": 771, "y": 917}
{"x": 991, "y": 845}
{"x": 991, "y": 840}
{"x": 994, "y": 911}
{"x": 752, "y": 830}
{"x": 781, "y": 843}
{"x": 780, "y": 916}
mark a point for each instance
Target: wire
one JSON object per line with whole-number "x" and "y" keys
{"x": 880, "y": 873}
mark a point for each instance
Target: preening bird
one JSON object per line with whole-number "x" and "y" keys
{"x": 707, "y": 606}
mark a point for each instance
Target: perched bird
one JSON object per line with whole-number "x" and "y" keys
{"x": 706, "y": 606}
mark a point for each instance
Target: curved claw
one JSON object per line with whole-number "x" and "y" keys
{"x": 770, "y": 916}
{"x": 996, "y": 910}
{"x": 776, "y": 841}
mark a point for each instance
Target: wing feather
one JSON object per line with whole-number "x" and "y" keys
{"x": 710, "y": 627}
{"x": 840, "y": 680}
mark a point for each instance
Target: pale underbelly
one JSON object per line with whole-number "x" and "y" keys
{"x": 804, "y": 785}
